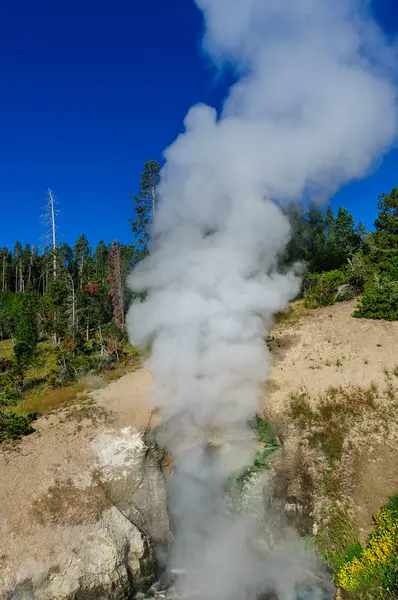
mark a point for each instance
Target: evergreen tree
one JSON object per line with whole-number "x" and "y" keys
{"x": 386, "y": 224}
{"x": 26, "y": 330}
{"x": 383, "y": 242}
{"x": 344, "y": 235}
{"x": 101, "y": 256}
{"x": 17, "y": 260}
{"x": 82, "y": 255}
{"x": 144, "y": 207}
{"x": 116, "y": 285}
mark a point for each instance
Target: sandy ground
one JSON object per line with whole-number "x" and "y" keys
{"x": 129, "y": 398}
{"x": 328, "y": 347}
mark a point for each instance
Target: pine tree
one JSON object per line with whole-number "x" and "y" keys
{"x": 82, "y": 255}
{"x": 344, "y": 235}
{"x": 144, "y": 207}
{"x": 383, "y": 242}
{"x": 116, "y": 285}
{"x": 18, "y": 267}
{"x": 386, "y": 224}
{"x": 26, "y": 333}
{"x": 101, "y": 256}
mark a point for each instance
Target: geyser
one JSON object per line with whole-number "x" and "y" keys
{"x": 314, "y": 106}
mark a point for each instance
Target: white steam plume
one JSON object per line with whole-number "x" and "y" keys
{"x": 314, "y": 107}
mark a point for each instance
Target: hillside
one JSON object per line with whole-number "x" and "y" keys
{"x": 46, "y": 483}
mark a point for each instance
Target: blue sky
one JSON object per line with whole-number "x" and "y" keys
{"x": 90, "y": 91}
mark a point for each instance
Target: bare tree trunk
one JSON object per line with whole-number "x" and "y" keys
{"x": 53, "y": 230}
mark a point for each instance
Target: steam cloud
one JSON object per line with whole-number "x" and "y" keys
{"x": 314, "y": 106}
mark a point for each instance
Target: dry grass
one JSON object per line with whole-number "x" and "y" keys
{"x": 6, "y": 348}
{"x": 134, "y": 363}
{"x": 325, "y": 424}
{"x": 295, "y": 311}
{"x": 40, "y": 398}
{"x": 85, "y": 407}
{"x": 65, "y": 504}
{"x": 115, "y": 374}
{"x": 43, "y": 400}
{"x": 337, "y": 432}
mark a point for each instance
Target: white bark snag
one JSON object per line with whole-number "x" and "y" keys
{"x": 51, "y": 202}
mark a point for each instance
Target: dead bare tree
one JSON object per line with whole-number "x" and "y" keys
{"x": 49, "y": 219}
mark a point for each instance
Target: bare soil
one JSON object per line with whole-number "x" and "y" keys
{"x": 325, "y": 350}
{"x": 328, "y": 347}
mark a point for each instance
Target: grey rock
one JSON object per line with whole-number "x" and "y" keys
{"x": 108, "y": 555}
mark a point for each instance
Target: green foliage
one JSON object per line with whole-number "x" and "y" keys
{"x": 321, "y": 240}
{"x": 13, "y": 427}
{"x": 337, "y": 541}
{"x": 386, "y": 224}
{"x": 379, "y": 301}
{"x": 373, "y": 572}
{"x": 26, "y": 330}
{"x": 144, "y": 206}
{"x": 269, "y": 444}
{"x": 344, "y": 262}
{"x": 263, "y": 431}
{"x": 323, "y": 289}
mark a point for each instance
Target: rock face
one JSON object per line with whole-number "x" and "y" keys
{"x": 130, "y": 476}
{"x": 102, "y": 557}
{"x": 95, "y": 534}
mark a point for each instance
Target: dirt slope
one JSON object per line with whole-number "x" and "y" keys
{"x": 329, "y": 349}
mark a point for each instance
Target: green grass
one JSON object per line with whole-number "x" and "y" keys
{"x": 268, "y": 444}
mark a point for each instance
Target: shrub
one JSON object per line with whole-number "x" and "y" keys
{"x": 323, "y": 289}
{"x": 374, "y": 571}
{"x": 380, "y": 301}
{"x": 13, "y": 426}
{"x": 266, "y": 436}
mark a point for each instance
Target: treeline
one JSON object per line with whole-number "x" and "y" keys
{"x": 344, "y": 261}
{"x": 80, "y": 289}
{"x": 77, "y": 289}
{"x": 62, "y": 310}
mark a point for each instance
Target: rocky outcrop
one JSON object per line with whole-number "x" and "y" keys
{"x": 99, "y": 559}
{"x": 95, "y": 536}
{"x": 130, "y": 476}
